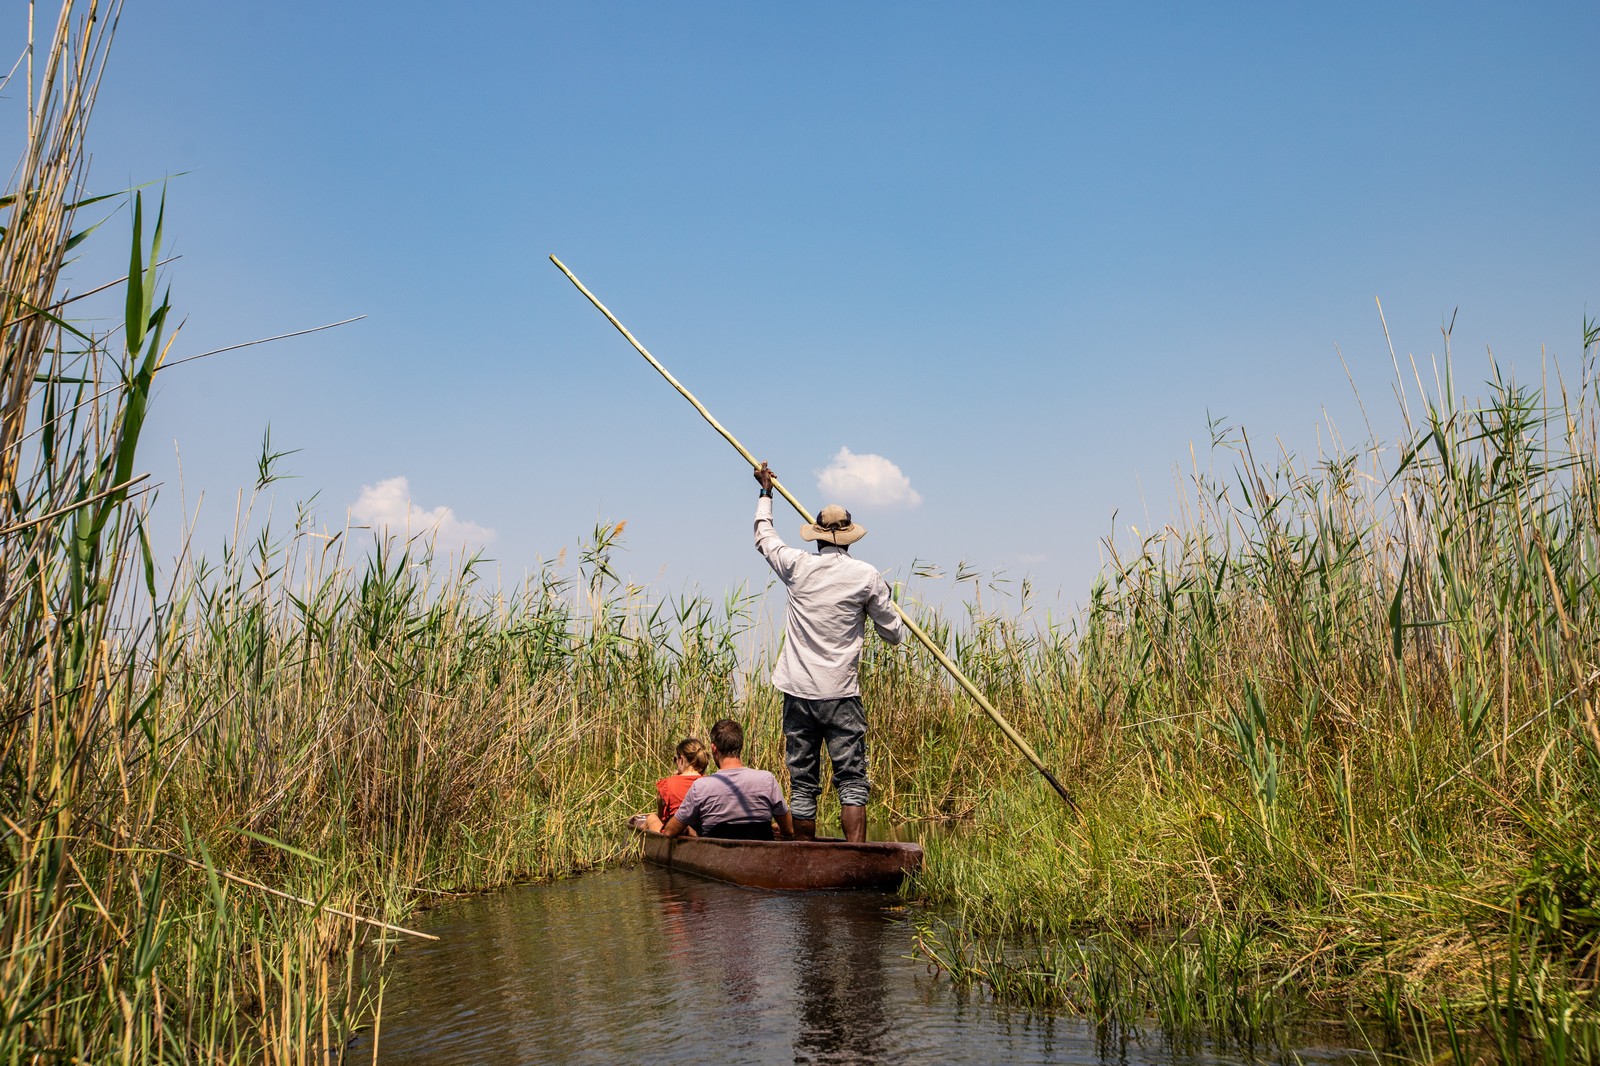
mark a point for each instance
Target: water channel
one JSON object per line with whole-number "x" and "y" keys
{"x": 642, "y": 965}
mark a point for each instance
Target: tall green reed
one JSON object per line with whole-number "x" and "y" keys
{"x": 214, "y": 791}
{"x": 1342, "y": 713}
{"x": 1348, "y": 703}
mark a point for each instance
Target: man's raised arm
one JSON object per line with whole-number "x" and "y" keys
{"x": 778, "y": 555}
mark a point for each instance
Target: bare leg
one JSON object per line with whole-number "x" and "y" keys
{"x": 854, "y": 820}
{"x": 805, "y": 829}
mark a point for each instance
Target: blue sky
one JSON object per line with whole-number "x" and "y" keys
{"x": 1020, "y": 252}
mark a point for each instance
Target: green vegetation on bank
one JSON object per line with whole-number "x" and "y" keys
{"x": 1334, "y": 734}
{"x": 1336, "y": 739}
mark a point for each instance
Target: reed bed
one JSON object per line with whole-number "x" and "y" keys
{"x": 1342, "y": 716}
{"x": 1334, "y": 733}
{"x": 222, "y": 789}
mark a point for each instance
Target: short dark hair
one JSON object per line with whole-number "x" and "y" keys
{"x": 727, "y": 736}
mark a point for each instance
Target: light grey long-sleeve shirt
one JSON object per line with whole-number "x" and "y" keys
{"x": 831, "y": 596}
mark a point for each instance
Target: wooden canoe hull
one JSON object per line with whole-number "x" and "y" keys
{"x": 786, "y": 865}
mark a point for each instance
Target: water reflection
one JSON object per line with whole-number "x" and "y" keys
{"x": 840, "y": 983}
{"x": 649, "y": 966}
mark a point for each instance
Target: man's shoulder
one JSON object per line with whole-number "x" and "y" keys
{"x": 720, "y": 781}
{"x": 750, "y": 776}
{"x": 863, "y": 570}
{"x": 864, "y": 565}
{"x": 754, "y": 771}
{"x": 730, "y": 775}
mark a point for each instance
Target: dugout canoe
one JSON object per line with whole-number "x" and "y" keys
{"x": 785, "y": 865}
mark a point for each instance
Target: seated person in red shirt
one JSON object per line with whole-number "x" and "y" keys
{"x": 737, "y": 802}
{"x": 690, "y": 761}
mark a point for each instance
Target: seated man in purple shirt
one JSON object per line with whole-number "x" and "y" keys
{"x": 737, "y": 802}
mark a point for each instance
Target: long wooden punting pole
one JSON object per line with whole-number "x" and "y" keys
{"x": 916, "y": 630}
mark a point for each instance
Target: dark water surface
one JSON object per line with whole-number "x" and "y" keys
{"x": 648, "y": 966}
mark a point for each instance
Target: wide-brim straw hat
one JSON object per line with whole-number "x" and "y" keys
{"x": 833, "y": 526}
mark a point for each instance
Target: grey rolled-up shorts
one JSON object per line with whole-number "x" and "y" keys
{"x": 841, "y": 726}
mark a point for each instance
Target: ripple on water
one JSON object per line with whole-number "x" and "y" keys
{"x": 646, "y": 966}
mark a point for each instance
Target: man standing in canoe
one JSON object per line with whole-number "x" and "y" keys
{"x": 831, "y": 596}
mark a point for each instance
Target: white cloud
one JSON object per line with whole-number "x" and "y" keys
{"x": 871, "y": 479}
{"x": 387, "y": 508}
